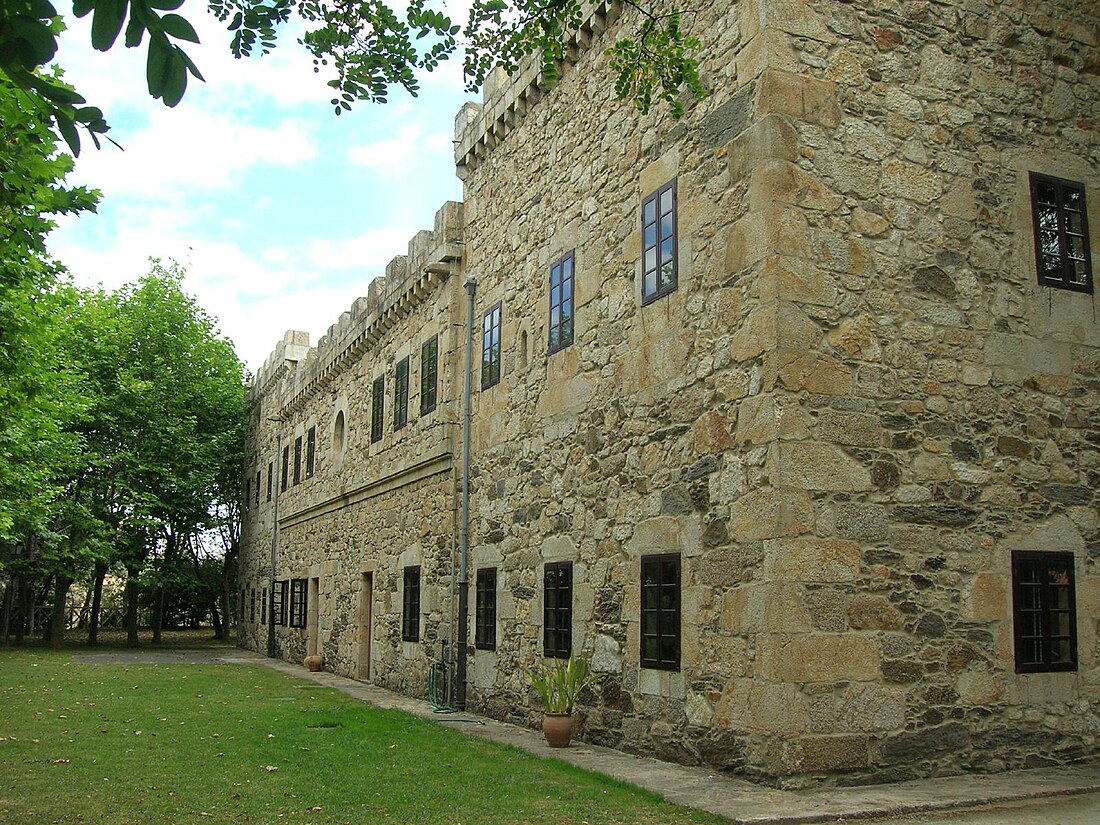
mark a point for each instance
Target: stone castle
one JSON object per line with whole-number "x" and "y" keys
{"x": 785, "y": 414}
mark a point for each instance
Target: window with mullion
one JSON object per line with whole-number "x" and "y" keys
{"x": 377, "y": 408}
{"x": 298, "y": 460}
{"x": 660, "y": 643}
{"x": 278, "y": 602}
{"x": 561, "y": 303}
{"x": 298, "y": 596}
{"x": 263, "y": 607}
{"x": 490, "y": 347}
{"x": 429, "y": 367}
{"x": 401, "y": 393}
{"x": 311, "y": 451}
{"x": 286, "y": 468}
{"x": 557, "y": 609}
{"x": 1044, "y": 612}
{"x": 1062, "y": 255}
{"x": 410, "y": 605}
{"x": 485, "y": 611}
{"x": 659, "y": 269}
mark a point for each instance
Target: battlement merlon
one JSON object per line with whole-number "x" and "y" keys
{"x": 431, "y": 257}
{"x": 293, "y": 347}
{"x": 506, "y": 99}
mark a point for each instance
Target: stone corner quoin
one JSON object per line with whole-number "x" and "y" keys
{"x": 777, "y": 414}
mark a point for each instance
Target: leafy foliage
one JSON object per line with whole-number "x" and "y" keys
{"x": 370, "y": 45}
{"x": 560, "y": 685}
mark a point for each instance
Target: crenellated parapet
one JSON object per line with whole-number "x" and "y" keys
{"x": 432, "y": 256}
{"x": 506, "y": 99}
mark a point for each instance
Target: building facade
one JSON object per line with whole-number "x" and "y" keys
{"x": 784, "y": 413}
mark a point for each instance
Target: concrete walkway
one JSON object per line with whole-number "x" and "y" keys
{"x": 727, "y": 796}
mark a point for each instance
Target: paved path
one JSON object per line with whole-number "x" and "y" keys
{"x": 740, "y": 801}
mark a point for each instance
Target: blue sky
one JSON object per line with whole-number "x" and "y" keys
{"x": 280, "y": 211}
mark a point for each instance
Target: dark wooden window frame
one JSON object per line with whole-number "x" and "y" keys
{"x": 278, "y": 601}
{"x": 660, "y": 611}
{"x": 256, "y": 492}
{"x": 557, "y": 609}
{"x": 299, "y": 595}
{"x": 298, "y": 460}
{"x": 377, "y": 408}
{"x": 285, "y": 477}
{"x": 263, "y": 606}
{"x": 490, "y": 346}
{"x": 311, "y": 452}
{"x": 248, "y": 492}
{"x": 270, "y": 477}
{"x": 252, "y": 606}
{"x": 485, "y": 609}
{"x": 654, "y": 237}
{"x": 410, "y": 604}
{"x": 561, "y": 302}
{"x": 1058, "y": 255}
{"x": 1035, "y": 605}
{"x": 401, "y": 393}
{"x": 429, "y": 374}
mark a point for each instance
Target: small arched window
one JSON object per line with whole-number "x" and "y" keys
{"x": 338, "y": 432}
{"x": 523, "y": 350}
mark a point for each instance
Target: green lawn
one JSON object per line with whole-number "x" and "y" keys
{"x": 113, "y": 744}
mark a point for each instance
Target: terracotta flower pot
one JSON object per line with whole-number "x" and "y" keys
{"x": 558, "y": 729}
{"x": 314, "y": 663}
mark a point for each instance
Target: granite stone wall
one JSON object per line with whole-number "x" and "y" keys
{"x": 856, "y": 404}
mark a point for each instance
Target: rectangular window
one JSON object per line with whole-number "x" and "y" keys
{"x": 561, "y": 303}
{"x": 311, "y": 451}
{"x": 557, "y": 609}
{"x": 490, "y": 347}
{"x": 252, "y": 605}
{"x": 410, "y": 605}
{"x": 659, "y": 243}
{"x": 378, "y": 401}
{"x": 298, "y": 460}
{"x": 1061, "y": 225}
{"x": 270, "y": 475}
{"x": 1044, "y": 612}
{"x": 298, "y": 595}
{"x": 278, "y": 602}
{"x": 247, "y": 492}
{"x": 485, "y": 609}
{"x": 401, "y": 393}
{"x": 661, "y": 611}
{"x": 429, "y": 366}
{"x": 286, "y": 467}
{"x": 244, "y": 598}
{"x": 256, "y": 492}
{"x": 263, "y": 607}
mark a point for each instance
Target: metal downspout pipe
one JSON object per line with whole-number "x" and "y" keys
{"x": 464, "y": 519}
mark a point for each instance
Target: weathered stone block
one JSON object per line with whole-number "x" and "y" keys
{"x": 804, "y": 98}
{"x": 794, "y": 279}
{"x": 870, "y": 612}
{"x": 817, "y": 657}
{"x": 819, "y": 374}
{"x": 749, "y": 705}
{"x": 764, "y": 608}
{"x": 818, "y": 754}
{"x": 857, "y": 429}
{"x": 988, "y": 598}
{"x": 872, "y": 708}
{"x": 809, "y": 559}
{"x": 906, "y": 747}
{"x": 809, "y": 465}
{"x": 666, "y": 534}
{"x": 770, "y": 138}
{"x": 769, "y": 514}
{"x": 728, "y": 120}
{"x": 909, "y": 181}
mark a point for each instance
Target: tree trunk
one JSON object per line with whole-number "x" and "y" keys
{"x": 5, "y": 611}
{"x": 216, "y": 618}
{"x": 59, "y": 616}
{"x": 131, "y": 609}
{"x": 158, "y": 613}
{"x": 227, "y": 573}
{"x": 97, "y": 603}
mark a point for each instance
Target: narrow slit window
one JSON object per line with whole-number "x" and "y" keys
{"x": 286, "y": 468}
{"x": 311, "y": 451}
{"x": 429, "y": 367}
{"x": 659, "y": 252}
{"x": 377, "y": 408}
{"x": 485, "y": 624}
{"x": 490, "y": 347}
{"x": 298, "y": 460}
{"x": 410, "y": 605}
{"x": 401, "y": 394}
{"x": 561, "y": 303}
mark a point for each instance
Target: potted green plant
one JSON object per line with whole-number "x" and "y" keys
{"x": 559, "y": 686}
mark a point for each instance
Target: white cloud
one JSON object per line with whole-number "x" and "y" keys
{"x": 396, "y": 157}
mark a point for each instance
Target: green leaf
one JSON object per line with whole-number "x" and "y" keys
{"x": 82, "y": 7}
{"x": 107, "y": 23}
{"x": 135, "y": 31}
{"x": 68, "y": 132}
{"x": 165, "y": 5}
{"x": 175, "y": 79}
{"x": 179, "y": 28}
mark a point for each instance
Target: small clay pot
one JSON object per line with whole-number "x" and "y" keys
{"x": 558, "y": 729}
{"x": 314, "y": 663}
